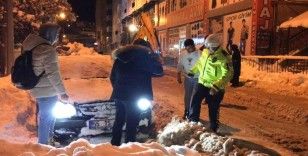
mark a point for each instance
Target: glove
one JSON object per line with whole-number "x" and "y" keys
{"x": 213, "y": 91}
{"x": 64, "y": 98}
{"x": 190, "y": 75}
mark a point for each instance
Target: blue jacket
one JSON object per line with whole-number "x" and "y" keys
{"x": 132, "y": 72}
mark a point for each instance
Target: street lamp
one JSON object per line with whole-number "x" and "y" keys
{"x": 62, "y": 15}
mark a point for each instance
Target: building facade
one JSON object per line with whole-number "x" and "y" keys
{"x": 116, "y": 23}
{"x": 103, "y": 20}
{"x": 131, "y": 15}
{"x": 233, "y": 20}
{"x": 177, "y": 20}
{"x": 255, "y": 24}
{"x": 250, "y": 24}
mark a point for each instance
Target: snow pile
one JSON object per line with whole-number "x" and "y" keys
{"x": 195, "y": 136}
{"x": 84, "y": 79}
{"x": 177, "y": 132}
{"x": 18, "y": 112}
{"x": 85, "y": 67}
{"x": 211, "y": 142}
{"x": 285, "y": 83}
{"x": 82, "y": 147}
{"x": 79, "y": 49}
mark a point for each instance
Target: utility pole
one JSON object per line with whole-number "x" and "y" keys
{"x": 7, "y": 48}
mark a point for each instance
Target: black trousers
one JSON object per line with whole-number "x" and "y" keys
{"x": 213, "y": 101}
{"x": 235, "y": 80}
{"x": 127, "y": 111}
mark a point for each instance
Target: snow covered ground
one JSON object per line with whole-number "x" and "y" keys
{"x": 280, "y": 83}
{"x": 86, "y": 79}
{"x": 82, "y": 147}
{"x": 270, "y": 109}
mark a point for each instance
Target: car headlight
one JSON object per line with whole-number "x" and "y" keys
{"x": 144, "y": 104}
{"x": 62, "y": 110}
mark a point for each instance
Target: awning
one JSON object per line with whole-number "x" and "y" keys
{"x": 298, "y": 21}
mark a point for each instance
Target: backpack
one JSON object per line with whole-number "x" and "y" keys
{"x": 23, "y": 76}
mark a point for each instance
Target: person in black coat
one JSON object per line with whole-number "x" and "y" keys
{"x": 236, "y": 60}
{"x": 131, "y": 79}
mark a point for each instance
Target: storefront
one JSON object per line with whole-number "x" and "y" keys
{"x": 233, "y": 21}
{"x": 246, "y": 23}
{"x": 237, "y": 30}
{"x": 180, "y": 24}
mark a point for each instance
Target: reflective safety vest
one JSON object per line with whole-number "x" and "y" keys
{"x": 215, "y": 70}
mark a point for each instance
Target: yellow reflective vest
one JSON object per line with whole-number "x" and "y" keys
{"x": 215, "y": 70}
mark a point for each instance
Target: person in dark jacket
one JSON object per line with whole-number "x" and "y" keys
{"x": 131, "y": 79}
{"x": 236, "y": 61}
{"x": 50, "y": 88}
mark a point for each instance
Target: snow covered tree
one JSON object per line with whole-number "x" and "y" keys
{"x": 30, "y": 14}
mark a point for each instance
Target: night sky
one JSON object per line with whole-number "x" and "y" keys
{"x": 85, "y": 9}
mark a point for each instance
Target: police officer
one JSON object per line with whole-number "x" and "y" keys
{"x": 215, "y": 71}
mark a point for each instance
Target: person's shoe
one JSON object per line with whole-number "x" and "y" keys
{"x": 235, "y": 85}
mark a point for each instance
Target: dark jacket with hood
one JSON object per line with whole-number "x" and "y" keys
{"x": 132, "y": 71}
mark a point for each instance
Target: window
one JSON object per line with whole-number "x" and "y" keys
{"x": 163, "y": 11}
{"x": 183, "y": 3}
{"x": 197, "y": 29}
{"x": 167, "y": 6}
{"x": 224, "y": 2}
{"x": 173, "y": 5}
{"x": 133, "y": 4}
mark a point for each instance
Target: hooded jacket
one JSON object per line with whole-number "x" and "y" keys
{"x": 132, "y": 72}
{"x": 44, "y": 58}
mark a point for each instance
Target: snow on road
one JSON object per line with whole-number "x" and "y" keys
{"x": 82, "y": 147}
{"x": 270, "y": 109}
{"x": 264, "y": 111}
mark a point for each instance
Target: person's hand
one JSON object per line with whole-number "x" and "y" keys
{"x": 213, "y": 91}
{"x": 179, "y": 79}
{"x": 64, "y": 98}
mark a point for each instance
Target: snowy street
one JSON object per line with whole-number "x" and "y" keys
{"x": 154, "y": 78}
{"x": 273, "y": 115}
{"x": 269, "y": 119}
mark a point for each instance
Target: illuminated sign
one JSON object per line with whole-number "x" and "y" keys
{"x": 262, "y": 26}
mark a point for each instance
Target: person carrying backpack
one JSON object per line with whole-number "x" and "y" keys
{"x": 49, "y": 88}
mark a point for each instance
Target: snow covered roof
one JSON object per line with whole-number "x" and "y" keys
{"x": 298, "y": 21}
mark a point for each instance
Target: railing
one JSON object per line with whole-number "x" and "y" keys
{"x": 277, "y": 64}
{"x": 291, "y": 42}
{"x": 293, "y": 64}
